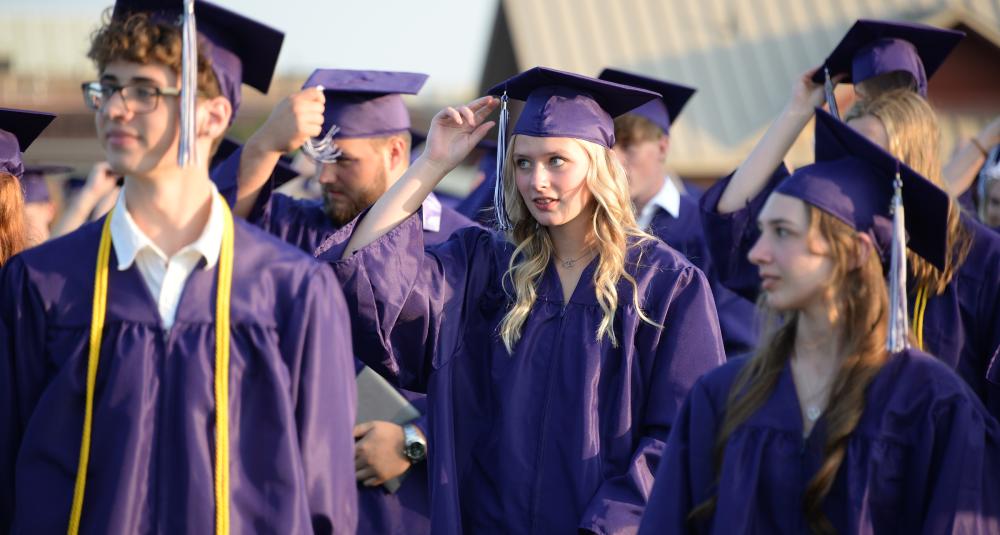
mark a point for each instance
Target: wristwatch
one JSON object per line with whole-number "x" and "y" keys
{"x": 414, "y": 445}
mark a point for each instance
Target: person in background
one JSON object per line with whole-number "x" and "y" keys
{"x": 18, "y": 130}
{"x": 39, "y": 210}
{"x": 664, "y": 208}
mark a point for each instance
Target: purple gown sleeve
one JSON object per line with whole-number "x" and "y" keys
{"x": 400, "y": 295}
{"x": 730, "y": 236}
{"x": 686, "y": 472}
{"x": 325, "y": 400}
{"x": 688, "y": 346}
{"x": 22, "y": 371}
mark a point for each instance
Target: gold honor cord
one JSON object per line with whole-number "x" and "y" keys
{"x": 919, "y": 307}
{"x": 99, "y": 309}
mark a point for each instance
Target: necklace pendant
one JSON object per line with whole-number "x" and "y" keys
{"x": 813, "y": 413}
{"x": 568, "y": 264}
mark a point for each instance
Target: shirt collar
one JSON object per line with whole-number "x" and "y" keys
{"x": 129, "y": 239}
{"x": 668, "y": 198}
{"x": 432, "y": 213}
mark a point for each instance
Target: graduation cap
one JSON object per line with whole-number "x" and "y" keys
{"x": 867, "y": 188}
{"x": 662, "y": 111}
{"x": 561, "y": 104}
{"x": 18, "y": 130}
{"x": 242, "y": 50}
{"x": 874, "y": 47}
{"x": 36, "y": 189}
{"x": 360, "y": 104}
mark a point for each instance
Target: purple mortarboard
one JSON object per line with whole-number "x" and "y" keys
{"x": 661, "y": 111}
{"x": 561, "y": 104}
{"x": 360, "y": 104}
{"x": 860, "y": 184}
{"x": 366, "y": 103}
{"x": 36, "y": 189}
{"x": 873, "y": 47}
{"x": 242, "y": 50}
{"x": 18, "y": 130}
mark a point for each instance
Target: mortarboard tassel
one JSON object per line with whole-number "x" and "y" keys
{"x": 188, "y": 151}
{"x": 831, "y": 98}
{"x": 898, "y": 339}
{"x": 323, "y": 149}
{"x": 499, "y": 198}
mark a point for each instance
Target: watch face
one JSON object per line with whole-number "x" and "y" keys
{"x": 415, "y": 451}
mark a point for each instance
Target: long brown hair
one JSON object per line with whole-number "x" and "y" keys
{"x": 860, "y": 308}
{"x": 914, "y": 138}
{"x": 12, "y": 227}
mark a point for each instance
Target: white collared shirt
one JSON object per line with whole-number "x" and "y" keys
{"x": 668, "y": 198}
{"x": 165, "y": 277}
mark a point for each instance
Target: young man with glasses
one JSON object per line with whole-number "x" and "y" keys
{"x": 170, "y": 369}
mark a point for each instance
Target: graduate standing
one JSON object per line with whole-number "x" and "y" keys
{"x": 39, "y": 211}
{"x": 18, "y": 130}
{"x": 955, "y": 305}
{"x": 168, "y": 368}
{"x": 555, "y": 355}
{"x": 665, "y": 210}
{"x": 366, "y": 127}
{"x": 834, "y": 425}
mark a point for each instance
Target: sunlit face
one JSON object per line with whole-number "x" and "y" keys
{"x": 550, "y": 174}
{"x": 794, "y": 264}
{"x": 644, "y": 163}
{"x": 992, "y": 201}
{"x": 872, "y": 128}
{"x": 138, "y": 144}
{"x": 356, "y": 180}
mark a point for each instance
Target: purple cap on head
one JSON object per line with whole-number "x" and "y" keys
{"x": 36, "y": 189}
{"x": 661, "y": 111}
{"x": 852, "y": 180}
{"x": 563, "y": 104}
{"x": 242, "y": 50}
{"x": 874, "y": 47}
{"x": 18, "y": 130}
{"x": 365, "y": 103}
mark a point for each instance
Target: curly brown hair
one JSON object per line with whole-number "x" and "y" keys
{"x": 141, "y": 39}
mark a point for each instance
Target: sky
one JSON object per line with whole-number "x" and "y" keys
{"x": 446, "y": 39}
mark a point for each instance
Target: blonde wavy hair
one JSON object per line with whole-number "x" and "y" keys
{"x": 612, "y": 229}
{"x": 914, "y": 138}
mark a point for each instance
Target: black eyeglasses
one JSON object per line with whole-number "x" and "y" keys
{"x": 138, "y": 98}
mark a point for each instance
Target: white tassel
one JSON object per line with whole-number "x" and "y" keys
{"x": 831, "y": 98}
{"x": 499, "y": 198}
{"x": 898, "y": 323}
{"x": 187, "y": 153}
{"x": 323, "y": 149}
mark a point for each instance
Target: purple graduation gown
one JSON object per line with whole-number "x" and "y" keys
{"x": 961, "y": 325}
{"x": 923, "y": 458}
{"x": 564, "y": 433}
{"x": 685, "y": 234}
{"x": 292, "y": 395}
{"x": 304, "y": 224}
